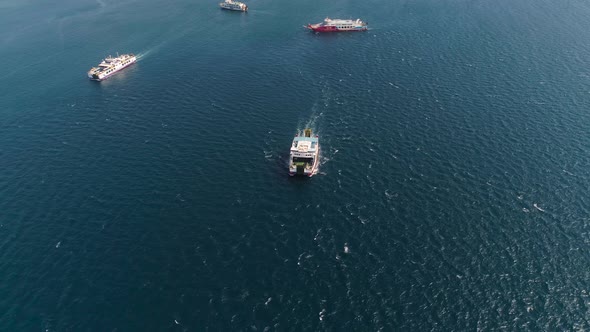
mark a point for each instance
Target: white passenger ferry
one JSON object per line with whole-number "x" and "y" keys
{"x": 233, "y": 5}
{"x": 111, "y": 65}
{"x": 338, "y": 25}
{"x": 305, "y": 154}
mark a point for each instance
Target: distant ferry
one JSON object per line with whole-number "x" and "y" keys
{"x": 337, "y": 25}
{"x": 304, "y": 156}
{"x": 233, "y": 5}
{"x": 111, "y": 65}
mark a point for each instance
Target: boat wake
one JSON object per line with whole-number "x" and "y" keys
{"x": 141, "y": 55}
{"x": 153, "y": 49}
{"x": 158, "y": 46}
{"x": 269, "y": 148}
{"x": 312, "y": 121}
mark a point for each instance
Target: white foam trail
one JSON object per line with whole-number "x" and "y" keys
{"x": 538, "y": 208}
{"x": 140, "y": 56}
{"x": 313, "y": 118}
{"x": 154, "y": 49}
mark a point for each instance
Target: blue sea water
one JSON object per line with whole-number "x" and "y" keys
{"x": 453, "y": 186}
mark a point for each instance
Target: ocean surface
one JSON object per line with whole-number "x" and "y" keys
{"x": 453, "y": 191}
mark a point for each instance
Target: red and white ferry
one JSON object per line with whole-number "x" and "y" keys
{"x": 337, "y": 25}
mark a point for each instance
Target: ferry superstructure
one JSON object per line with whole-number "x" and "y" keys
{"x": 111, "y": 65}
{"x": 233, "y": 5}
{"x": 338, "y": 25}
{"x": 305, "y": 154}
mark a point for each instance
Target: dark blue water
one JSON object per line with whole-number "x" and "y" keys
{"x": 453, "y": 186}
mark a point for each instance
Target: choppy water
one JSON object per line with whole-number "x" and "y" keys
{"x": 452, "y": 194}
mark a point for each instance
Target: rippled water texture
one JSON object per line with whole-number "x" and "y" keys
{"x": 452, "y": 192}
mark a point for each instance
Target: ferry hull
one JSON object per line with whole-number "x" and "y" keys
{"x": 332, "y": 29}
{"x": 302, "y": 172}
{"x": 338, "y": 25}
{"x": 97, "y": 78}
{"x": 245, "y": 10}
{"x": 233, "y": 5}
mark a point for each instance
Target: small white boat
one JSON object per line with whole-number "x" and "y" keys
{"x": 305, "y": 154}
